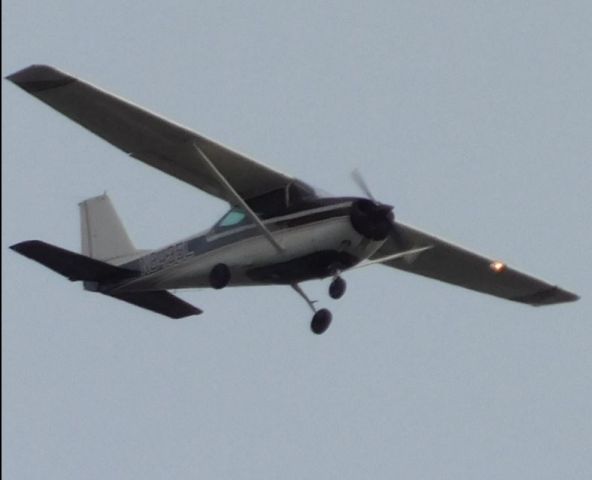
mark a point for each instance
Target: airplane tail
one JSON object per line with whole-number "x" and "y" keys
{"x": 95, "y": 274}
{"x": 106, "y": 246}
{"x": 102, "y": 233}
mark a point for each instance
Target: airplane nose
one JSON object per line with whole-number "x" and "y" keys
{"x": 372, "y": 219}
{"x": 383, "y": 209}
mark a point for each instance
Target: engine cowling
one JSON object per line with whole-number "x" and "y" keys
{"x": 371, "y": 219}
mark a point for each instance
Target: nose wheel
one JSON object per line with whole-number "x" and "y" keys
{"x": 337, "y": 288}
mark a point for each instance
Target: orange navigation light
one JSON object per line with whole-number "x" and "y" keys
{"x": 497, "y": 266}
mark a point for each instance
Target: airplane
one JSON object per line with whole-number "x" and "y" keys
{"x": 278, "y": 230}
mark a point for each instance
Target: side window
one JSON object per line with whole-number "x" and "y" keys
{"x": 232, "y": 218}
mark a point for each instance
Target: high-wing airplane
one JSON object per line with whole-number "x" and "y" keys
{"x": 279, "y": 230}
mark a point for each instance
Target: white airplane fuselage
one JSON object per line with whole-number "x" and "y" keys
{"x": 316, "y": 242}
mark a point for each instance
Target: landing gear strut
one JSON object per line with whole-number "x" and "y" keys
{"x": 337, "y": 288}
{"x": 321, "y": 319}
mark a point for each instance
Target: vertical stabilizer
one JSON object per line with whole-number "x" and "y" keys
{"x": 103, "y": 235}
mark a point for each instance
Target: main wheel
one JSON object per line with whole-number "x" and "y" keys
{"x": 337, "y": 288}
{"x": 321, "y": 321}
{"x": 219, "y": 276}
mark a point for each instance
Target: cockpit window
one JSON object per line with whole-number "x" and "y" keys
{"x": 236, "y": 216}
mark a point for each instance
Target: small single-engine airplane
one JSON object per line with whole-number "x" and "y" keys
{"x": 279, "y": 230}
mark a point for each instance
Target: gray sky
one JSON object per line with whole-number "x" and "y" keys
{"x": 473, "y": 118}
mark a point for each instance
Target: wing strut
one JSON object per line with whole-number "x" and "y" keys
{"x": 406, "y": 254}
{"x": 233, "y": 193}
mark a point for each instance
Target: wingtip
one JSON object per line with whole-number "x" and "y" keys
{"x": 36, "y": 78}
{"x": 188, "y": 310}
{"x": 193, "y": 311}
{"x": 564, "y": 296}
{"x": 548, "y": 296}
{"x": 24, "y": 246}
{"x": 572, "y": 297}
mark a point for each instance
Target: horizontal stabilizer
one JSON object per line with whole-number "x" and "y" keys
{"x": 159, "y": 301}
{"x": 72, "y": 265}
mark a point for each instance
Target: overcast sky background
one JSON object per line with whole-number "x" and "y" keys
{"x": 473, "y": 118}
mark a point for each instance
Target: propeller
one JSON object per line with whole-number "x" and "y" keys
{"x": 361, "y": 183}
{"x": 394, "y": 230}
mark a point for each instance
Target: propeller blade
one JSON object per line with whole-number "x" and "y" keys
{"x": 395, "y": 233}
{"x": 360, "y": 182}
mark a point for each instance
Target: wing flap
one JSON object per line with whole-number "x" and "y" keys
{"x": 455, "y": 265}
{"x": 146, "y": 136}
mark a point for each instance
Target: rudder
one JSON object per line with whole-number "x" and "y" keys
{"x": 102, "y": 233}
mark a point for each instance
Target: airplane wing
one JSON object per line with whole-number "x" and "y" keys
{"x": 452, "y": 264}
{"x": 148, "y": 137}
